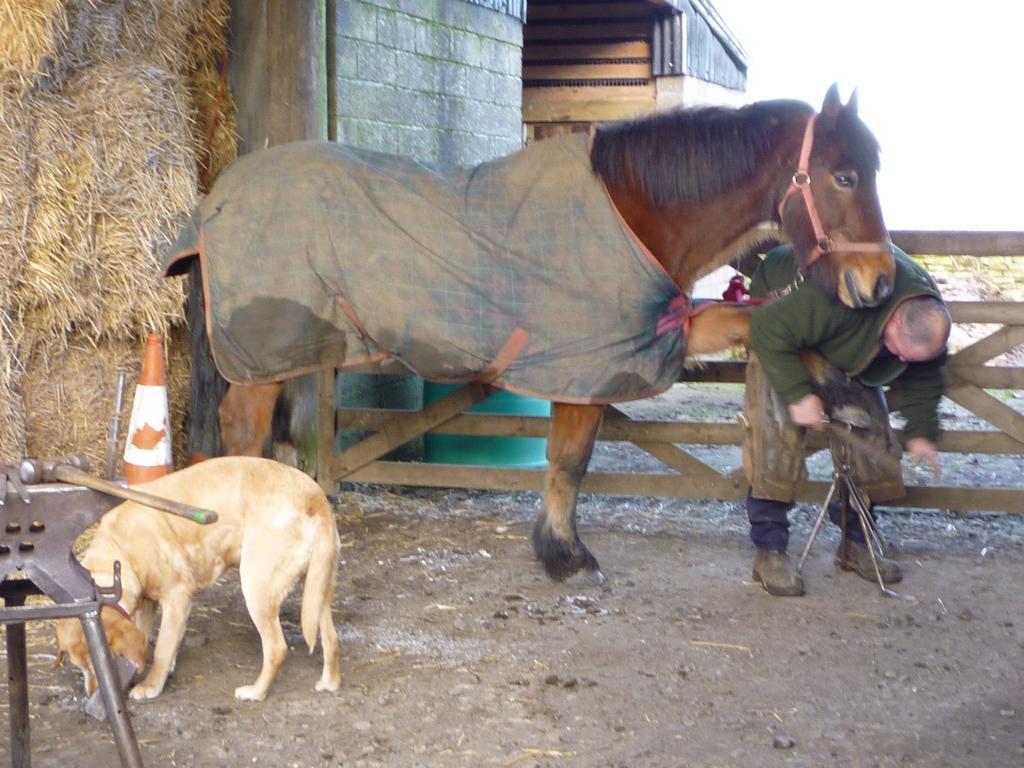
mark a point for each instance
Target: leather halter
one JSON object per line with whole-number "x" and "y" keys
{"x": 802, "y": 183}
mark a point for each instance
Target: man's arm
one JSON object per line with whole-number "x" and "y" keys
{"x": 782, "y": 327}
{"x": 916, "y": 395}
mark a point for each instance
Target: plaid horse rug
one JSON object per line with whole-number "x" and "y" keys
{"x": 518, "y": 272}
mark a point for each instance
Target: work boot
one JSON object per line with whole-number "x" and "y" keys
{"x": 854, "y": 556}
{"x": 775, "y": 573}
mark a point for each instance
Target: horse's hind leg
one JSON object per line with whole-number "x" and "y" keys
{"x": 246, "y": 416}
{"x": 718, "y": 327}
{"x": 570, "y": 444}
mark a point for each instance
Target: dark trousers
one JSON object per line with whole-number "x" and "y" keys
{"x": 769, "y": 522}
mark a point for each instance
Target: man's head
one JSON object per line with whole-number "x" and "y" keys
{"x": 918, "y": 330}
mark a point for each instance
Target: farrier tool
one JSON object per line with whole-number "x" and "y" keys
{"x": 850, "y": 495}
{"x": 74, "y": 470}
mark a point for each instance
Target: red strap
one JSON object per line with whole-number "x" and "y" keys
{"x": 802, "y": 183}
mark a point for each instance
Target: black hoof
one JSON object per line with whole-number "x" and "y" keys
{"x": 563, "y": 559}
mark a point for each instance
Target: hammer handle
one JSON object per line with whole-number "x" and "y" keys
{"x": 68, "y": 474}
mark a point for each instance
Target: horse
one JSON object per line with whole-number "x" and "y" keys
{"x": 693, "y": 187}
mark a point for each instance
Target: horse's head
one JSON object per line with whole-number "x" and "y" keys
{"x": 831, "y": 210}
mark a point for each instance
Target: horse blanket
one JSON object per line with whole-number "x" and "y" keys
{"x": 519, "y": 272}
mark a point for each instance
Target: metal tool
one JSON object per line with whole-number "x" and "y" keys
{"x": 115, "y": 425}
{"x": 851, "y": 496}
{"x": 74, "y": 470}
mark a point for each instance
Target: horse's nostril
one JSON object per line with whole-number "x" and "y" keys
{"x": 883, "y": 287}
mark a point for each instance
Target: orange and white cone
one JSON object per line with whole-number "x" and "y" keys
{"x": 147, "y": 452}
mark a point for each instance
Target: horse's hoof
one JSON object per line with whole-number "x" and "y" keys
{"x": 563, "y": 559}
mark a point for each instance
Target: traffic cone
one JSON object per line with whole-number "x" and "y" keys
{"x": 147, "y": 452}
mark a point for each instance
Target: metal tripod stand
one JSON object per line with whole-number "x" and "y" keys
{"x": 852, "y": 498}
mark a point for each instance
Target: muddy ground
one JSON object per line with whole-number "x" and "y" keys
{"x": 458, "y": 651}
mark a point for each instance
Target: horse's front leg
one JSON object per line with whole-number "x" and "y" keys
{"x": 570, "y": 443}
{"x": 246, "y": 417}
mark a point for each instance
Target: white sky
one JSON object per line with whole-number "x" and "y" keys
{"x": 939, "y": 83}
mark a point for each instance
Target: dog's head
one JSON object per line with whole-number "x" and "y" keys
{"x": 123, "y": 637}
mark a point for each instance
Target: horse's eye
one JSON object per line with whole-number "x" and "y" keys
{"x": 845, "y": 180}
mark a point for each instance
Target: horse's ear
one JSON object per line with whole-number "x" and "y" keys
{"x": 851, "y": 105}
{"x": 832, "y": 105}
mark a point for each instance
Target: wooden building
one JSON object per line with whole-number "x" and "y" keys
{"x": 585, "y": 62}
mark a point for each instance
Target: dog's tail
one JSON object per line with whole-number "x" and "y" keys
{"x": 318, "y": 589}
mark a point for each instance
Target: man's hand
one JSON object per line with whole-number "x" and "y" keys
{"x": 923, "y": 449}
{"x": 809, "y": 411}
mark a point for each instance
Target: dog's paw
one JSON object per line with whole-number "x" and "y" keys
{"x": 327, "y": 685}
{"x": 143, "y": 691}
{"x": 250, "y": 693}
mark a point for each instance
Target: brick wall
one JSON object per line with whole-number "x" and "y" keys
{"x": 1000, "y": 275}
{"x": 439, "y": 80}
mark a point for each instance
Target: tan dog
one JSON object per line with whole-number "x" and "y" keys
{"x": 274, "y": 524}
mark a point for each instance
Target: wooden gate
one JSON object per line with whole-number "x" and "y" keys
{"x": 970, "y": 374}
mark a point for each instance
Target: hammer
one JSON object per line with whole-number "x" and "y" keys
{"x": 73, "y": 471}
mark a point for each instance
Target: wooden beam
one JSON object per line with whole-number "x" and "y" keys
{"x": 993, "y": 345}
{"x": 668, "y": 454}
{"x": 952, "y": 243}
{"x": 1006, "y": 500}
{"x": 692, "y": 433}
{"x": 554, "y": 50}
{"x": 613, "y": 30}
{"x": 586, "y": 107}
{"x": 979, "y": 402}
{"x": 995, "y": 312}
{"x": 297, "y": 70}
{"x": 325, "y": 436}
{"x": 619, "y": 484}
{"x": 686, "y": 433}
{"x": 400, "y": 431}
{"x": 989, "y": 376}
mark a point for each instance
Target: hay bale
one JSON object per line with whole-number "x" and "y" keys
{"x": 16, "y": 176}
{"x": 215, "y": 138}
{"x": 12, "y": 409}
{"x": 115, "y": 180}
{"x": 144, "y": 188}
{"x": 31, "y": 32}
{"x": 16, "y": 171}
{"x": 209, "y": 41}
{"x": 160, "y": 31}
{"x": 69, "y": 395}
{"x": 58, "y": 227}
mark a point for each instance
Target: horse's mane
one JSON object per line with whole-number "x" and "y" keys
{"x": 691, "y": 155}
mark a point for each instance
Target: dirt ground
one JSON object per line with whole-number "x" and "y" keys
{"x": 458, "y": 651}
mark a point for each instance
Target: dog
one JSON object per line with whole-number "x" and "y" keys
{"x": 274, "y": 523}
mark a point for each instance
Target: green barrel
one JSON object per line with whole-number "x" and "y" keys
{"x": 488, "y": 451}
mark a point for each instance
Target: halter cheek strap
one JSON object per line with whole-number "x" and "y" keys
{"x": 802, "y": 183}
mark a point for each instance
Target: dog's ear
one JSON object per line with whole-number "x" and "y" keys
{"x": 125, "y": 638}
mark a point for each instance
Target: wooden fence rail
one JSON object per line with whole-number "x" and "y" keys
{"x": 688, "y": 476}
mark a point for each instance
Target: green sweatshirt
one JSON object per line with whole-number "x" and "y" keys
{"x": 850, "y": 339}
